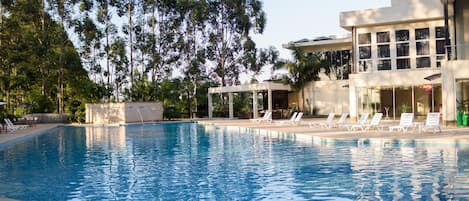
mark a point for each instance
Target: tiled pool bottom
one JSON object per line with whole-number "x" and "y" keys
{"x": 193, "y": 162}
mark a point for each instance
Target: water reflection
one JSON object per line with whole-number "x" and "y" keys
{"x": 193, "y": 162}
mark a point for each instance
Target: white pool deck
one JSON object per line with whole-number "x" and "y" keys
{"x": 304, "y": 130}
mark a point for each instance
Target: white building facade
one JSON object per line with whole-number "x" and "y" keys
{"x": 410, "y": 57}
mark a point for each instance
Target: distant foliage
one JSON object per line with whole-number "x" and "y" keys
{"x": 59, "y": 54}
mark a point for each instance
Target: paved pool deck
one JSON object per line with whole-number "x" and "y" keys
{"x": 6, "y": 137}
{"x": 448, "y": 133}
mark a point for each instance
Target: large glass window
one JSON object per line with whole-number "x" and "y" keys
{"x": 384, "y": 52}
{"x": 422, "y": 45}
{"x": 402, "y": 49}
{"x": 364, "y": 52}
{"x": 440, "y": 45}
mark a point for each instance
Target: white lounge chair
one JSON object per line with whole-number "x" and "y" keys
{"x": 361, "y": 121}
{"x": 432, "y": 122}
{"x": 13, "y": 127}
{"x": 267, "y": 117}
{"x": 374, "y": 123}
{"x": 405, "y": 123}
{"x": 342, "y": 120}
{"x": 292, "y": 119}
{"x": 329, "y": 120}
{"x": 298, "y": 117}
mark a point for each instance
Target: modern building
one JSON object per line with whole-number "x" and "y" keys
{"x": 412, "y": 56}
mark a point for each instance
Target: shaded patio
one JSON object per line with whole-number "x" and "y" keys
{"x": 268, "y": 87}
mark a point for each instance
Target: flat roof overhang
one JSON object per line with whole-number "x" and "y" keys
{"x": 401, "y": 11}
{"x": 265, "y": 86}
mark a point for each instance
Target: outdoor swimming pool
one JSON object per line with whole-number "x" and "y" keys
{"x": 188, "y": 161}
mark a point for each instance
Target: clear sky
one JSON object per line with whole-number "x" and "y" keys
{"x": 292, "y": 20}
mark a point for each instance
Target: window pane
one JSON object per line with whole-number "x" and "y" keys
{"x": 383, "y": 51}
{"x": 403, "y": 63}
{"x": 423, "y": 48}
{"x": 363, "y": 66}
{"x": 422, "y": 34}
{"x": 365, "y": 52}
{"x": 402, "y": 49}
{"x": 423, "y": 62}
{"x": 364, "y": 38}
{"x": 438, "y": 60}
{"x": 382, "y": 37}
{"x": 384, "y": 64}
{"x": 440, "y": 32}
{"x": 402, "y": 35}
{"x": 440, "y": 46}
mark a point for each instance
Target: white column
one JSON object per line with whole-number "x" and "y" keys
{"x": 254, "y": 104}
{"x": 448, "y": 90}
{"x": 230, "y": 102}
{"x": 353, "y": 102}
{"x": 269, "y": 100}
{"x": 210, "y": 106}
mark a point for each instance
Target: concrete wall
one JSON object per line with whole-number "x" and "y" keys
{"x": 452, "y": 71}
{"x": 394, "y": 78}
{"x": 119, "y": 113}
{"x": 325, "y": 96}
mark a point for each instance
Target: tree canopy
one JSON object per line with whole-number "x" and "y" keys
{"x": 59, "y": 54}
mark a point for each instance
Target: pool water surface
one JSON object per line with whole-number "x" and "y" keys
{"x": 188, "y": 161}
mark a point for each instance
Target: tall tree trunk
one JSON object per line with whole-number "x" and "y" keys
{"x": 61, "y": 59}
{"x": 108, "y": 67}
{"x": 44, "y": 49}
{"x": 131, "y": 49}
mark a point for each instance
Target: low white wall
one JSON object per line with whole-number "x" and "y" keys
{"x": 119, "y": 113}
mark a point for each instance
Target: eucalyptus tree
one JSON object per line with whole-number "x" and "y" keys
{"x": 230, "y": 24}
{"x": 302, "y": 69}
{"x": 119, "y": 60}
{"x": 90, "y": 35}
{"x": 162, "y": 38}
{"x": 104, "y": 16}
{"x": 63, "y": 9}
{"x": 191, "y": 46}
{"x": 254, "y": 59}
{"x": 127, "y": 8}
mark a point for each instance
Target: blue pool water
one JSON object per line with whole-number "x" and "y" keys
{"x": 187, "y": 161}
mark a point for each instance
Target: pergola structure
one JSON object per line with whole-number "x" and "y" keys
{"x": 254, "y": 88}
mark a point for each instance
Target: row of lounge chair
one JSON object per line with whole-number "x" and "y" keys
{"x": 432, "y": 122}
{"x": 295, "y": 118}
